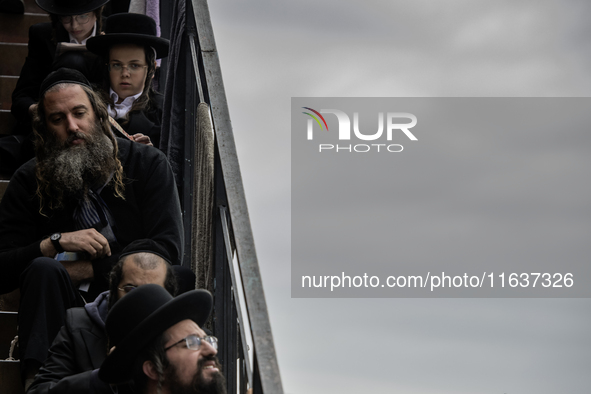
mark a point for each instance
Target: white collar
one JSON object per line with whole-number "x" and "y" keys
{"x": 74, "y": 41}
{"x": 119, "y": 111}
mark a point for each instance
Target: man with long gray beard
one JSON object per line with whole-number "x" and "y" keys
{"x": 67, "y": 214}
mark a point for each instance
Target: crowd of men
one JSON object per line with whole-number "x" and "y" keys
{"x": 90, "y": 231}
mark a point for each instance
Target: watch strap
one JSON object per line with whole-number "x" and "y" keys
{"x": 55, "y": 240}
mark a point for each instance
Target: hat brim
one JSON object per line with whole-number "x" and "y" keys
{"x": 103, "y": 43}
{"x": 52, "y": 8}
{"x": 194, "y": 305}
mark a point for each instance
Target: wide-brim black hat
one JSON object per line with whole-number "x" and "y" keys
{"x": 128, "y": 28}
{"x": 139, "y": 317}
{"x": 70, "y": 7}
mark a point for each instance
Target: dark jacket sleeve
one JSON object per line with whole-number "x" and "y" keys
{"x": 78, "y": 349}
{"x": 162, "y": 208}
{"x": 19, "y": 243}
{"x": 147, "y": 122}
{"x": 37, "y": 66}
{"x": 151, "y": 189}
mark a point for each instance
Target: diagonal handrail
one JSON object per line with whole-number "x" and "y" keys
{"x": 264, "y": 348}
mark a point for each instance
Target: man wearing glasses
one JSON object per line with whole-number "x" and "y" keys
{"x": 159, "y": 343}
{"x": 81, "y": 345}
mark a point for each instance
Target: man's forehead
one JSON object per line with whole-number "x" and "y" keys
{"x": 139, "y": 263}
{"x": 183, "y": 329}
{"x": 71, "y": 94}
{"x": 144, "y": 260}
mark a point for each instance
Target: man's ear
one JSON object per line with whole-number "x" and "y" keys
{"x": 149, "y": 370}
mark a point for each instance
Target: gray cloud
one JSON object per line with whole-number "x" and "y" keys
{"x": 272, "y": 51}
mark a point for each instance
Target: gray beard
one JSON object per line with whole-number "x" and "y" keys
{"x": 73, "y": 169}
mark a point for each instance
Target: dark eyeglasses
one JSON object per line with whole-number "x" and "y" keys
{"x": 131, "y": 68}
{"x": 126, "y": 289}
{"x": 193, "y": 342}
{"x": 80, "y": 19}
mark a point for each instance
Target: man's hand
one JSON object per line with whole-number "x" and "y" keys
{"x": 89, "y": 240}
{"x": 142, "y": 139}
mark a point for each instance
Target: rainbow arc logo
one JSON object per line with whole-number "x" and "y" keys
{"x": 315, "y": 118}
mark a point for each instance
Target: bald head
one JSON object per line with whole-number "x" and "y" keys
{"x": 138, "y": 269}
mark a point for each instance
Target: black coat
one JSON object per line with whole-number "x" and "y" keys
{"x": 76, "y": 354}
{"x": 151, "y": 209}
{"x": 146, "y": 122}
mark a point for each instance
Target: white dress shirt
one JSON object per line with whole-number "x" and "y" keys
{"x": 120, "y": 110}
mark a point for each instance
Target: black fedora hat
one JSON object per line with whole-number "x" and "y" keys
{"x": 128, "y": 28}
{"x": 141, "y": 316}
{"x": 70, "y": 7}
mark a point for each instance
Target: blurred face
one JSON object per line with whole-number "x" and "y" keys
{"x": 127, "y": 70}
{"x": 134, "y": 275}
{"x": 69, "y": 114}
{"x": 79, "y": 26}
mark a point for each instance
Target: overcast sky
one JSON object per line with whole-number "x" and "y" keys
{"x": 271, "y": 51}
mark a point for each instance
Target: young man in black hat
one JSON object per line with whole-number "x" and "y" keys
{"x": 86, "y": 193}
{"x": 81, "y": 345}
{"x": 71, "y": 22}
{"x": 158, "y": 341}
{"x": 130, "y": 47}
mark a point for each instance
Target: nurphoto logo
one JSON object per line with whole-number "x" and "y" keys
{"x": 393, "y": 125}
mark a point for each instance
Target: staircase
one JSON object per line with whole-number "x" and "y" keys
{"x": 248, "y": 352}
{"x": 10, "y": 382}
{"x": 14, "y": 35}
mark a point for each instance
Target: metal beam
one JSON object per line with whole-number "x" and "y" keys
{"x": 256, "y": 305}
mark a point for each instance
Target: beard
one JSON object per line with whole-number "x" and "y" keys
{"x": 216, "y": 385}
{"x": 72, "y": 169}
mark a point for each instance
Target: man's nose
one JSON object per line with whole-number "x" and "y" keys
{"x": 207, "y": 349}
{"x": 71, "y": 124}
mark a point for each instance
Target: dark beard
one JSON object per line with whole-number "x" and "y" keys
{"x": 72, "y": 169}
{"x": 217, "y": 384}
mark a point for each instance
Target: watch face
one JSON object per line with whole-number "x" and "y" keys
{"x": 55, "y": 237}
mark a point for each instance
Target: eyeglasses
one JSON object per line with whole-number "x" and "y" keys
{"x": 131, "y": 68}
{"x": 193, "y": 342}
{"x": 126, "y": 289}
{"x": 80, "y": 19}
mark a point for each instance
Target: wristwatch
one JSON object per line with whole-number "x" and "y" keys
{"x": 55, "y": 240}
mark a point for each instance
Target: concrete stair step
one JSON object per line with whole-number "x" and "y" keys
{"x": 31, "y": 6}
{"x": 13, "y": 57}
{"x": 7, "y": 85}
{"x": 10, "y": 377}
{"x": 8, "y": 330}
{"x": 15, "y": 28}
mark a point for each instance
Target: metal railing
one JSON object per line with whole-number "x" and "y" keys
{"x": 241, "y": 321}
